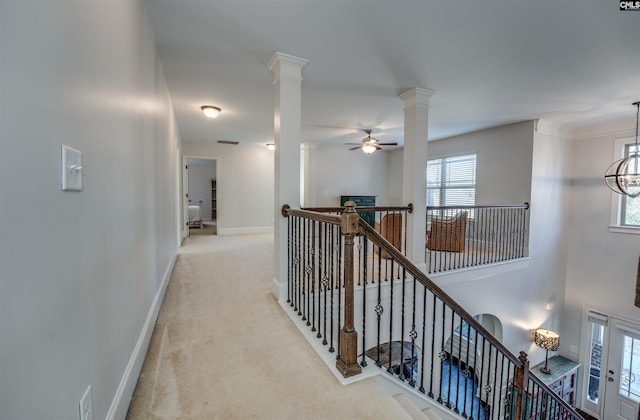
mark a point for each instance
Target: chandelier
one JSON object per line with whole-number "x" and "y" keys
{"x": 623, "y": 176}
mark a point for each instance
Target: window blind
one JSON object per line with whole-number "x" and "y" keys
{"x": 451, "y": 181}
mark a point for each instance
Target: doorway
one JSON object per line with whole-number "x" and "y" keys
{"x": 201, "y": 195}
{"x": 612, "y": 369}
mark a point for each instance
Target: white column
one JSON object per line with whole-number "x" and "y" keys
{"x": 416, "y": 121}
{"x": 287, "y": 79}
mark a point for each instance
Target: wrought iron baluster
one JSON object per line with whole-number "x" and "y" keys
{"x": 413, "y": 334}
{"x": 379, "y": 311}
{"x": 468, "y": 375}
{"x": 389, "y": 369}
{"x": 453, "y": 314}
{"x": 314, "y": 273}
{"x": 424, "y": 333}
{"x": 334, "y": 277}
{"x": 402, "y": 323}
{"x": 363, "y": 362}
{"x": 433, "y": 345}
{"x": 482, "y": 374}
{"x": 340, "y": 285}
{"x": 475, "y": 367}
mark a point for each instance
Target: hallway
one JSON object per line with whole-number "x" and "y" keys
{"x": 223, "y": 348}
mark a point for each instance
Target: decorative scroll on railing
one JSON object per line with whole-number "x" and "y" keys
{"x": 468, "y": 236}
{"x": 399, "y": 320}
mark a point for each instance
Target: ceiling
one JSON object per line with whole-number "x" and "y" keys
{"x": 490, "y": 62}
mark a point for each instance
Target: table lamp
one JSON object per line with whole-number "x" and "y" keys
{"x": 547, "y": 340}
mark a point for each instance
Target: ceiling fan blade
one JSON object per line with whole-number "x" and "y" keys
{"x": 387, "y": 144}
{"x": 356, "y": 148}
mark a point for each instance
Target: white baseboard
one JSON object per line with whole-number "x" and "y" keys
{"x": 122, "y": 398}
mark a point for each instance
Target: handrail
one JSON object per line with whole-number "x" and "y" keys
{"x": 308, "y": 214}
{"x": 408, "y": 208}
{"x": 485, "y": 206}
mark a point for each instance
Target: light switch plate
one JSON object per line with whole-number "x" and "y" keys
{"x": 71, "y": 169}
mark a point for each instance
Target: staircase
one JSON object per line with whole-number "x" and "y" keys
{"x": 369, "y": 309}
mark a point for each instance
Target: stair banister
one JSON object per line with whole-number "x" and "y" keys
{"x": 347, "y": 363}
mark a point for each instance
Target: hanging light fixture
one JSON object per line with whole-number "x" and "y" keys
{"x": 623, "y": 176}
{"x": 210, "y": 111}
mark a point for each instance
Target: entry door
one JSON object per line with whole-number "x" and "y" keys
{"x": 622, "y": 375}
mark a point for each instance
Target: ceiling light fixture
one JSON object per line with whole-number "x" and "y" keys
{"x": 271, "y": 146}
{"x": 623, "y": 176}
{"x": 210, "y": 111}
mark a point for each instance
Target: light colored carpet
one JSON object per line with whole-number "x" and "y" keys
{"x": 223, "y": 348}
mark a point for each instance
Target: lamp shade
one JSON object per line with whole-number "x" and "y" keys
{"x": 547, "y": 339}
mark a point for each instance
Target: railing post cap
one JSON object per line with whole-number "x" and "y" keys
{"x": 285, "y": 210}
{"x": 349, "y": 207}
{"x": 350, "y": 218}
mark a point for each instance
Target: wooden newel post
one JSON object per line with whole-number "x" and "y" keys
{"x": 347, "y": 362}
{"x": 519, "y": 383}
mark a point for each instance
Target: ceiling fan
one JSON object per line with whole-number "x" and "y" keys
{"x": 369, "y": 144}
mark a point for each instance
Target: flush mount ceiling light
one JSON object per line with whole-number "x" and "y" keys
{"x": 623, "y": 176}
{"x": 210, "y": 111}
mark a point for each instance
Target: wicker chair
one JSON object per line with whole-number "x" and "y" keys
{"x": 391, "y": 229}
{"x": 447, "y": 233}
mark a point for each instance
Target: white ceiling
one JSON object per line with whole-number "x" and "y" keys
{"x": 490, "y": 62}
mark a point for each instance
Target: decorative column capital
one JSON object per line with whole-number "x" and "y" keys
{"x": 417, "y": 97}
{"x": 286, "y": 66}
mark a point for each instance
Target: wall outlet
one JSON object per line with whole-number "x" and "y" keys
{"x": 573, "y": 349}
{"x": 86, "y": 405}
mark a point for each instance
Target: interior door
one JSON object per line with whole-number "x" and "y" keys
{"x": 622, "y": 372}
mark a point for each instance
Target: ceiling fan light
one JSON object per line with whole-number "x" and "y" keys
{"x": 369, "y": 147}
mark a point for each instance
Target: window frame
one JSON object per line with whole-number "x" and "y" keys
{"x": 441, "y": 188}
{"x": 618, "y": 201}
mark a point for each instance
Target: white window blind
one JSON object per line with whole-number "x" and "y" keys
{"x": 451, "y": 181}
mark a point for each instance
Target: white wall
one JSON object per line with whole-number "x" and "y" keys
{"x": 503, "y": 166}
{"x": 602, "y": 266}
{"x": 339, "y": 171}
{"x": 79, "y": 271}
{"x": 245, "y": 185}
{"x": 518, "y": 295}
{"x": 201, "y": 172}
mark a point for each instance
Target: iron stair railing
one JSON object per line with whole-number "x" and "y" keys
{"x": 407, "y": 324}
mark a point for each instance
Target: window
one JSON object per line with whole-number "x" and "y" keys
{"x": 630, "y": 207}
{"x": 451, "y": 181}
{"x": 625, "y": 210}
